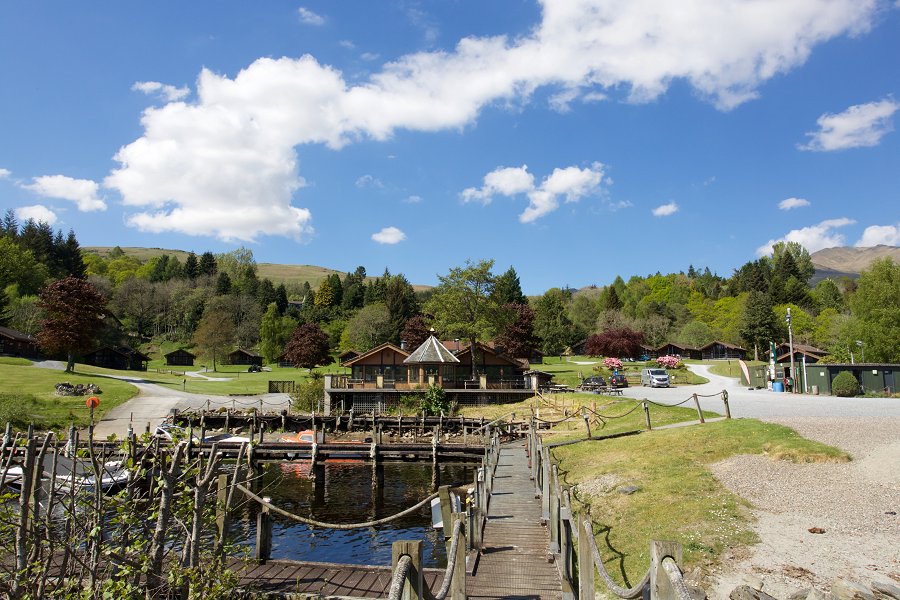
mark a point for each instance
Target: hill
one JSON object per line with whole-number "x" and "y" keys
{"x": 844, "y": 261}
{"x": 277, "y": 273}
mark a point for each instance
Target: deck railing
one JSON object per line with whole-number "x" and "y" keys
{"x": 343, "y": 382}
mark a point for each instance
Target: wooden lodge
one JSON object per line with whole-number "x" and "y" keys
{"x": 380, "y": 376}
{"x": 16, "y": 343}
{"x": 721, "y": 351}
{"x": 244, "y": 357}
{"x": 674, "y": 349}
{"x": 180, "y": 357}
{"x": 801, "y": 351}
{"x": 117, "y": 357}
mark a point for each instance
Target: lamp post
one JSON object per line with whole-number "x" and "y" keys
{"x": 862, "y": 349}
{"x": 791, "y": 347}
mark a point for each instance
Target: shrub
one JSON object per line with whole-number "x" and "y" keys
{"x": 435, "y": 401}
{"x": 612, "y": 363}
{"x": 308, "y": 395}
{"x": 669, "y": 362}
{"x": 845, "y": 385}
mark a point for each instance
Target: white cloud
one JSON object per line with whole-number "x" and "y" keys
{"x": 347, "y": 44}
{"x": 38, "y": 212}
{"x": 389, "y": 235}
{"x": 664, "y": 210}
{"x": 83, "y": 192}
{"x": 791, "y": 203}
{"x": 860, "y": 126}
{"x": 169, "y": 93}
{"x": 413, "y": 199}
{"x": 572, "y": 183}
{"x": 369, "y": 56}
{"x": 198, "y": 163}
{"x": 308, "y": 17}
{"x": 4, "y": 173}
{"x": 878, "y": 235}
{"x": 369, "y": 181}
{"x": 813, "y": 238}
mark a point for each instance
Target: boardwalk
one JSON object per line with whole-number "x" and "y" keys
{"x": 514, "y": 561}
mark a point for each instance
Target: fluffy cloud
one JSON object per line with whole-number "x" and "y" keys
{"x": 309, "y": 17}
{"x": 664, "y": 210}
{"x": 389, "y": 235}
{"x": 413, "y": 199}
{"x": 369, "y": 181}
{"x": 814, "y": 237}
{"x": 860, "y": 126}
{"x": 38, "y": 212}
{"x": 235, "y": 146}
{"x": 877, "y": 235}
{"x": 83, "y": 192}
{"x": 571, "y": 183}
{"x": 169, "y": 93}
{"x": 791, "y": 203}
{"x": 4, "y": 173}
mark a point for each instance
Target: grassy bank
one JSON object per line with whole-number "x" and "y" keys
{"x": 28, "y": 395}
{"x": 570, "y": 370}
{"x": 678, "y": 498}
{"x": 731, "y": 368}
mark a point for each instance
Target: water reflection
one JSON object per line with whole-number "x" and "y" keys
{"x": 349, "y": 493}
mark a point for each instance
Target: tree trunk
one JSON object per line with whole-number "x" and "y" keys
{"x": 70, "y": 363}
{"x": 472, "y": 352}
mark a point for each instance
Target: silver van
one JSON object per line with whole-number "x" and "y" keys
{"x": 654, "y": 377}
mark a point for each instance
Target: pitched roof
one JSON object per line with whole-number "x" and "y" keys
{"x": 522, "y": 363}
{"x": 431, "y": 352}
{"x": 181, "y": 350}
{"x": 16, "y": 335}
{"x": 244, "y": 351}
{"x": 721, "y": 343}
{"x": 379, "y": 348}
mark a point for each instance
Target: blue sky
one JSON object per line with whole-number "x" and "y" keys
{"x": 573, "y": 139}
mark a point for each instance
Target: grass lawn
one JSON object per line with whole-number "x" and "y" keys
{"x": 27, "y": 395}
{"x": 731, "y": 368}
{"x": 678, "y": 497}
{"x": 568, "y": 371}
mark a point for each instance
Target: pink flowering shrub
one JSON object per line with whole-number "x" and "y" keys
{"x": 669, "y": 362}
{"x": 612, "y": 363}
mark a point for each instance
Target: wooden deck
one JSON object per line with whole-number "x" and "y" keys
{"x": 514, "y": 561}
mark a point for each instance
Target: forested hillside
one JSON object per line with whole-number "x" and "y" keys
{"x": 185, "y": 297}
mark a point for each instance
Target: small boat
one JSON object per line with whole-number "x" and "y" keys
{"x": 77, "y": 474}
{"x": 307, "y": 436}
{"x": 177, "y": 433}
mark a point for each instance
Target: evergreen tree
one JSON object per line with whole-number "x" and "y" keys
{"x": 759, "y": 325}
{"x": 208, "y": 264}
{"x": 191, "y": 266}
{"x": 10, "y": 226}
{"x": 72, "y": 260}
{"x": 508, "y": 289}
{"x": 223, "y": 284}
{"x": 265, "y": 294}
{"x": 325, "y": 294}
{"x": 609, "y": 299}
{"x": 337, "y": 288}
{"x": 551, "y": 323}
{"x": 174, "y": 270}
{"x": 281, "y": 299}
{"x": 400, "y": 300}
{"x": 4, "y": 307}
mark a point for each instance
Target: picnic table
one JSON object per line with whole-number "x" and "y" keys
{"x": 612, "y": 391}
{"x": 559, "y": 388}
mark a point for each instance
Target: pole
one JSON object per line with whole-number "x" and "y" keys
{"x": 791, "y": 347}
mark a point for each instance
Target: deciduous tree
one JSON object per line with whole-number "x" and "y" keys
{"x": 620, "y": 343}
{"x": 215, "y": 334}
{"x": 308, "y": 347}
{"x": 517, "y": 337}
{"x": 74, "y": 310}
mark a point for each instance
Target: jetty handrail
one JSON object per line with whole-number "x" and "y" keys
{"x": 456, "y": 558}
{"x": 572, "y": 540}
{"x": 344, "y": 526}
{"x": 400, "y": 577}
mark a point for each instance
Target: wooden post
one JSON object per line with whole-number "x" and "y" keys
{"x": 660, "y": 586}
{"x": 264, "y": 533}
{"x": 221, "y": 499}
{"x": 727, "y": 408}
{"x": 545, "y": 481}
{"x": 585, "y": 560}
{"x": 699, "y": 412}
{"x": 647, "y": 414}
{"x": 228, "y": 420}
{"x": 446, "y": 514}
{"x": 554, "y": 510}
{"x": 458, "y": 585}
{"x": 413, "y": 586}
{"x": 587, "y": 423}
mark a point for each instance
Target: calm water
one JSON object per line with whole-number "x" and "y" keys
{"x": 347, "y": 496}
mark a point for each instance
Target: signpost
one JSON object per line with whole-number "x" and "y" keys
{"x": 92, "y": 402}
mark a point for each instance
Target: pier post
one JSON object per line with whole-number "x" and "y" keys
{"x": 585, "y": 560}
{"x": 264, "y": 533}
{"x": 545, "y": 485}
{"x": 413, "y": 584}
{"x": 660, "y": 586}
{"x": 458, "y": 585}
{"x": 221, "y": 499}
{"x": 446, "y": 516}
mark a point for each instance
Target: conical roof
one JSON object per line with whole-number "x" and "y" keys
{"x": 430, "y": 352}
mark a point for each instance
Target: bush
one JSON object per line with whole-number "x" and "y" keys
{"x": 308, "y": 395}
{"x": 435, "y": 401}
{"x": 845, "y": 385}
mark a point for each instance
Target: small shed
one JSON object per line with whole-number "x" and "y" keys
{"x": 872, "y": 377}
{"x": 16, "y": 343}
{"x": 180, "y": 357}
{"x": 242, "y": 356}
{"x": 117, "y": 357}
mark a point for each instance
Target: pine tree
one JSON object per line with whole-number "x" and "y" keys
{"x": 508, "y": 289}
{"x": 191, "y": 266}
{"x": 281, "y": 299}
{"x": 759, "y": 323}
{"x": 208, "y": 264}
{"x": 10, "y": 226}
{"x": 73, "y": 261}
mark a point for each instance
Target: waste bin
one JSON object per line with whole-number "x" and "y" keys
{"x": 777, "y": 386}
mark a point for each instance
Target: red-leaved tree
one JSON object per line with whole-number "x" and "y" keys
{"x": 621, "y": 342}
{"x": 415, "y": 332}
{"x": 308, "y": 347}
{"x": 74, "y": 310}
{"x": 517, "y": 337}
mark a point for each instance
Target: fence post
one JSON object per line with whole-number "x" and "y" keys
{"x": 446, "y": 512}
{"x": 458, "y": 585}
{"x": 660, "y": 586}
{"x": 264, "y": 533}
{"x": 585, "y": 560}
{"x": 725, "y": 400}
{"x": 412, "y": 585}
{"x": 554, "y": 510}
{"x": 545, "y": 484}
{"x": 221, "y": 499}
{"x": 647, "y": 414}
{"x": 699, "y": 412}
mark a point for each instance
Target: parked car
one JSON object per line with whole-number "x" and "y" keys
{"x": 618, "y": 381}
{"x": 595, "y": 381}
{"x": 655, "y": 377}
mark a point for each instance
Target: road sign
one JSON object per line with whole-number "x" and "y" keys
{"x": 92, "y": 402}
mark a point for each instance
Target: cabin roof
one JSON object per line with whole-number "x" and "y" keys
{"x": 431, "y": 352}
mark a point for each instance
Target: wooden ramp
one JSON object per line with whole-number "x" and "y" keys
{"x": 514, "y": 561}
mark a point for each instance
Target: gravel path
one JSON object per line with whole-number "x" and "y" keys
{"x": 852, "y": 502}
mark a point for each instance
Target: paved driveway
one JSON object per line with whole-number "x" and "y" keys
{"x": 765, "y": 404}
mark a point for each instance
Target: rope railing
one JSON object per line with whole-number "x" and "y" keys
{"x": 342, "y": 526}
{"x": 632, "y": 592}
{"x": 398, "y": 579}
{"x": 451, "y": 562}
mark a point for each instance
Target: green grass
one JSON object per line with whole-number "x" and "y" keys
{"x": 27, "y": 395}
{"x": 679, "y": 499}
{"x": 14, "y": 360}
{"x": 568, "y": 372}
{"x": 731, "y": 368}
